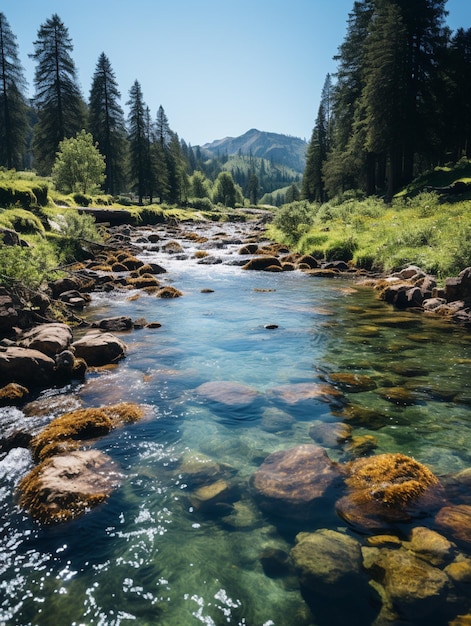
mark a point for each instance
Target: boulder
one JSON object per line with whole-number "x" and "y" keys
{"x": 97, "y": 348}
{"x": 296, "y": 483}
{"x": 13, "y": 394}
{"x": 330, "y": 434}
{"x": 26, "y": 367}
{"x": 303, "y": 396}
{"x": 327, "y": 561}
{"x": 8, "y": 314}
{"x": 455, "y": 521}
{"x": 228, "y": 394}
{"x": 387, "y": 489}
{"x": 263, "y": 263}
{"x": 352, "y": 382}
{"x": 114, "y": 324}
{"x": 64, "y": 487}
{"x": 459, "y": 287}
{"x": 47, "y": 338}
{"x": 414, "y": 589}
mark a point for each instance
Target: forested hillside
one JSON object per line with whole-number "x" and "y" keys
{"x": 399, "y": 103}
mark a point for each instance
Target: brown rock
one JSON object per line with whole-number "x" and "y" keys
{"x": 47, "y": 338}
{"x": 455, "y": 521}
{"x": 304, "y": 395}
{"x": 327, "y": 561}
{"x": 386, "y": 489}
{"x": 295, "y": 483}
{"x": 26, "y": 367}
{"x": 263, "y": 263}
{"x": 228, "y": 393}
{"x": 97, "y": 348}
{"x": 352, "y": 382}
{"x": 65, "y": 486}
{"x": 330, "y": 434}
{"x": 414, "y": 589}
{"x": 430, "y": 546}
{"x": 13, "y": 394}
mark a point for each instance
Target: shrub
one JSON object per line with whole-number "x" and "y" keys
{"x": 295, "y": 218}
{"x": 340, "y": 250}
{"x": 201, "y": 204}
{"x": 81, "y": 199}
{"x": 29, "y": 266}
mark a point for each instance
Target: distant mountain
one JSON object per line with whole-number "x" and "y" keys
{"x": 282, "y": 149}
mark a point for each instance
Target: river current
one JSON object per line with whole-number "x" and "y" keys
{"x": 149, "y": 556}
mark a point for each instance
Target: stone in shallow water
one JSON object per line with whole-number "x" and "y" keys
{"x": 455, "y": 521}
{"x": 275, "y": 420}
{"x": 352, "y": 382}
{"x": 228, "y": 393}
{"x": 413, "y": 588}
{"x": 331, "y": 434}
{"x": 296, "y": 483}
{"x": 304, "y": 395}
{"x": 386, "y": 489}
{"x": 66, "y": 486}
{"x": 327, "y": 559}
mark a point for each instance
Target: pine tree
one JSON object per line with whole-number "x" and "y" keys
{"x": 313, "y": 181}
{"x": 138, "y": 152}
{"x": 59, "y": 103}
{"x": 13, "y": 108}
{"x": 458, "y": 104}
{"x": 106, "y": 123}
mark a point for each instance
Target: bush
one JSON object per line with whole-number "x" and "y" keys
{"x": 150, "y": 215}
{"x": 201, "y": 204}
{"x": 295, "y": 218}
{"x": 81, "y": 200}
{"x": 340, "y": 250}
{"x": 29, "y": 266}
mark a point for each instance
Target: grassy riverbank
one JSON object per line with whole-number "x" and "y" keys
{"x": 428, "y": 224}
{"x": 431, "y": 229}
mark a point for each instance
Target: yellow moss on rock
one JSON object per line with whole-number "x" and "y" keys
{"x": 82, "y": 425}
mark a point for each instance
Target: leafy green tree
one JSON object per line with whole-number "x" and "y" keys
{"x": 224, "y": 191}
{"x": 79, "y": 166}
{"x": 60, "y": 107}
{"x": 107, "y": 125}
{"x": 138, "y": 140}
{"x": 199, "y": 185}
{"x": 13, "y": 109}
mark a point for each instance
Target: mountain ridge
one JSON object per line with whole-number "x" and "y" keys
{"x": 282, "y": 149}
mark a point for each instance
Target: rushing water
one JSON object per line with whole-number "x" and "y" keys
{"x": 149, "y": 556}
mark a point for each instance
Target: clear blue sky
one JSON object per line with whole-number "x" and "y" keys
{"x": 219, "y": 68}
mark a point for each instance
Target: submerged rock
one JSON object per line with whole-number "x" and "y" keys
{"x": 304, "y": 395}
{"x": 296, "y": 483}
{"x": 386, "y": 489}
{"x": 230, "y": 394}
{"x": 327, "y": 561}
{"x": 455, "y": 521}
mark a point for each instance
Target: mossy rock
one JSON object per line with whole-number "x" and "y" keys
{"x": 82, "y": 425}
{"x": 65, "y": 486}
{"x": 169, "y": 292}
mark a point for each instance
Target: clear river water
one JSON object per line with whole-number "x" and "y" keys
{"x": 149, "y": 555}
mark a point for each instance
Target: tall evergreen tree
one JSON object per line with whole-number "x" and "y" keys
{"x": 313, "y": 187}
{"x": 138, "y": 148}
{"x": 458, "y": 107}
{"x": 389, "y": 95}
{"x": 106, "y": 123}
{"x": 59, "y": 103}
{"x": 13, "y": 108}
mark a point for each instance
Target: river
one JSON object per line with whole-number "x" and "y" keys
{"x": 149, "y": 555}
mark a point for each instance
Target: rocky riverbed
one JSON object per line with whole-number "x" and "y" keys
{"x": 405, "y": 544}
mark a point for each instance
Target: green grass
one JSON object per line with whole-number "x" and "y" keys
{"x": 428, "y": 229}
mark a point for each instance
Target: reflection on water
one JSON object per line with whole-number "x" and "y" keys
{"x": 155, "y": 553}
